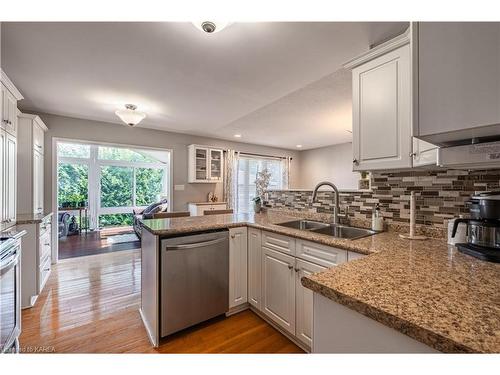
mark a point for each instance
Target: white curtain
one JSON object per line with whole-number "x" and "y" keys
{"x": 230, "y": 178}
{"x": 285, "y": 172}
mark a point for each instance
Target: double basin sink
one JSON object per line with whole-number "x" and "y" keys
{"x": 333, "y": 230}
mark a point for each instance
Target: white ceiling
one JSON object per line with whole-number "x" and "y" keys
{"x": 274, "y": 83}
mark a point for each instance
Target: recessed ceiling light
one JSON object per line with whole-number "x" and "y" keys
{"x": 237, "y": 136}
{"x": 211, "y": 27}
{"x": 130, "y": 115}
{"x": 298, "y": 146}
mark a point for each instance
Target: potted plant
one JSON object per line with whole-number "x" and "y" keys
{"x": 261, "y": 184}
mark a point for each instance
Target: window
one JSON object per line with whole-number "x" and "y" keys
{"x": 247, "y": 173}
{"x": 73, "y": 184}
{"x": 111, "y": 180}
{"x": 117, "y": 185}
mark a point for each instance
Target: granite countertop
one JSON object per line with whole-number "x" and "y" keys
{"x": 266, "y": 221}
{"x": 424, "y": 289}
{"x": 31, "y": 218}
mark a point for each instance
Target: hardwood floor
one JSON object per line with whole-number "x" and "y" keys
{"x": 95, "y": 242}
{"x": 90, "y": 305}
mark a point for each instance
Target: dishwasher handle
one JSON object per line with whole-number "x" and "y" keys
{"x": 194, "y": 245}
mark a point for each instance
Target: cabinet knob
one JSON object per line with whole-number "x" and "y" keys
{"x": 413, "y": 154}
{"x": 297, "y": 270}
{"x": 290, "y": 267}
{"x": 233, "y": 236}
{"x": 355, "y": 161}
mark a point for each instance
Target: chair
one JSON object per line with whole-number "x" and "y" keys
{"x": 147, "y": 213}
{"x": 168, "y": 215}
{"x": 63, "y": 224}
{"x": 218, "y": 212}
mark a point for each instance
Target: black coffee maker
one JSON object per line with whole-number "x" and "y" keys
{"x": 483, "y": 227}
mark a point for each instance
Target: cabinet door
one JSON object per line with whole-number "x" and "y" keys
{"x": 424, "y": 153}
{"x": 201, "y": 163}
{"x": 382, "y": 112}
{"x": 459, "y": 76}
{"x": 37, "y": 182}
{"x": 304, "y": 301}
{"x": 3, "y": 136}
{"x": 278, "y": 288}
{"x": 38, "y": 138}
{"x": 3, "y": 114}
{"x": 10, "y": 178}
{"x": 237, "y": 266}
{"x": 254, "y": 267}
{"x": 9, "y": 106}
{"x": 216, "y": 165}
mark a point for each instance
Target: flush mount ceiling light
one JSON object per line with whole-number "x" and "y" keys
{"x": 211, "y": 27}
{"x": 298, "y": 146}
{"x": 237, "y": 136}
{"x": 129, "y": 115}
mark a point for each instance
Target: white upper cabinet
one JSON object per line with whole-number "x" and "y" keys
{"x": 10, "y": 95}
{"x": 385, "y": 108}
{"x": 382, "y": 111}
{"x": 30, "y": 162}
{"x": 8, "y": 151}
{"x": 458, "y": 77}
{"x": 205, "y": 164}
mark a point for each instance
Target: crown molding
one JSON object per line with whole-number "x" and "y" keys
{"x": 379, "y": 50}
{"x": 10, "y": 86}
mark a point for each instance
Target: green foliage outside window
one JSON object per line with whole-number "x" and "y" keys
{"x": 73, "y": 184}
{"x": 116, "y": 184}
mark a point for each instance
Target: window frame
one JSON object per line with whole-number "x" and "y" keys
{"x": 95, "y": 164}
{"x": 251, "y": 157}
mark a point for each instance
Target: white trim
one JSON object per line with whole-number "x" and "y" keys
{"x": 87, "y": 161}
{"x": 10, "y": 86}
{"x": 379, "y": 50}
{"x": 35, "y": 118}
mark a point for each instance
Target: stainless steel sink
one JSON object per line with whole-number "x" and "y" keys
{"x": 341, "y": 231}
{"x": 304, "y": 224}
{"x": 334, "y": 230}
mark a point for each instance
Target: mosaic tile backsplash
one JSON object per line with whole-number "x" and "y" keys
{"x": 440, "y": 196}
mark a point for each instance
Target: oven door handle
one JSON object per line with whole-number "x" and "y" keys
{"x": 10, "y": 264}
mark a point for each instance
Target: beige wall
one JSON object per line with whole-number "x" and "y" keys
{"x": 72, "y": 128}
{"x": 331, "y": 163}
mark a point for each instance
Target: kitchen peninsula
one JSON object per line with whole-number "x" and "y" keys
{"x": 435, "y": 297}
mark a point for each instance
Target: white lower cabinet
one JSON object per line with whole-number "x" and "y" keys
{"x": 238, "y": 256}
{"x": 276, "y": 265}
{"x": 278, "y": 288}
{"x": 254, "y": 267}
{"x": 36, "y": 262}
{"x": 304, "y": 301}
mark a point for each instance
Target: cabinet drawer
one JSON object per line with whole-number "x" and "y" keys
{"x": 320, "y": 254}
{"x": 45, "y": 246}
{"x": 44, "y": 274}
{"x": 278, "y": 242}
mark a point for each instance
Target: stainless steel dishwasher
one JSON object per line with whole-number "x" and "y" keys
{"x": 194, "y": 280}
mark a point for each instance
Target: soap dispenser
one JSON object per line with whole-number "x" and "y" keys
{"x": 377, "y": 219}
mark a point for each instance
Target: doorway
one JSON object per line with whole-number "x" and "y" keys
{"x": 99, "y": 187}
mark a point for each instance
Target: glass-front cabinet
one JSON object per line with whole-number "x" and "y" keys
{"x": 205, "y": 164}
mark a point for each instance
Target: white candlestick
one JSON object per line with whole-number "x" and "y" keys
{"x": 412, "y": 214}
